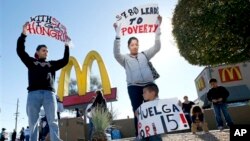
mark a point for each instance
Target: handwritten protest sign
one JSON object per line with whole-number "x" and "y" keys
{"x": 138, "y": 19}
{"x": 48, "y": 26}
{"x": 160, "y": 116}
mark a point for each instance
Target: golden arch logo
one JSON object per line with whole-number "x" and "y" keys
{"x": 200, "y": 83}
{"x": 82, "y": 74}
{"x": 230, "y": 74}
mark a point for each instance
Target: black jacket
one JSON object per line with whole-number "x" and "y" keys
{"x": 218, "y": 92}
{"x": 41, "y": 73}
{"x": 199, "y": 118}
{"x": 187, "y": 107}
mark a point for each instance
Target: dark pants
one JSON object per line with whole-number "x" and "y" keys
{"x": 152, "y": 138}
{"x": 91, "y": 128}
{"x": 45, "y": 132}
{"x": 218, "y": 108}
{"x": 27, "y": 137}
{"x": 189, "y": 120}
{"x": 58, "y": 115}
{"x": 136, "y": 98}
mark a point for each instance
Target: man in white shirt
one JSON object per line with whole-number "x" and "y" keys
{"x": 27, "y": 134}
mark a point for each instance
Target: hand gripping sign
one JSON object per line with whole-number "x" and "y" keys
{"x": 160, "y": 116}
{"x": 138, "y": 19}
{"x": 48, "y": 26}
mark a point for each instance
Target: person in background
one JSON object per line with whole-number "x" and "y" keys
{"x": 3, "y": 135}
{"x": 78, "y": 113}
{"x": 186, "y": 108}
{"x": 13, "y": 136}
{"x": 198, "y": 120}
{"x": 89, "y": 118}
{"x": 22, "y": 137}
{"x": 138, "y": 72}
{"x": 27, "y": 134}
{"x": 218, "y": 96}
{"x": 150, "y": 93}
{"x": 99, "y": 101}
{"x": 45, "y": 128}
{"x": 60, "y": 107}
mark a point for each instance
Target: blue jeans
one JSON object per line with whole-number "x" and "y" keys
{"x": 27, "y": 138}
{"x": 47, "y": 99}
{"x": 218, "y": 108}
{"x": 91, "y": 127}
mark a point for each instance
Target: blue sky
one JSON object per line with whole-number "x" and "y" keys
{"x": 89, "y": 25}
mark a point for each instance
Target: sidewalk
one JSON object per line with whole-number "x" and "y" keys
{"x": 213, "y": 135}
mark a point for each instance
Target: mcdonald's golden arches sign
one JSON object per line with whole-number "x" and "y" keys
{"x": 230, "y": 74}
{"x": 82, "y": 81}
{"x": 200, "y": 83}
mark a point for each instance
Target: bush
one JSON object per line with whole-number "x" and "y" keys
{"x": 101, "y": 120}
{"x": 211, "y": 32}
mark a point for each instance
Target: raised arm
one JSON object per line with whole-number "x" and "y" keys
{"x": 56, "y": 65}
{"x": 117, "y": 53}
{"x": 26, "y": 59}
{"x": 157, "y": 46}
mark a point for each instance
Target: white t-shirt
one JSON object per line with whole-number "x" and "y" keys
{"x": 88, "y": 114}
{"x": 60, "y": 107}
{"x": 26, "y": 132}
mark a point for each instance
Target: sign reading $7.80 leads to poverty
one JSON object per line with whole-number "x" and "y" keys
{"x": 48, "y": 26}
{"x": 160, "y": 116}
{"x": 138, "y": 19}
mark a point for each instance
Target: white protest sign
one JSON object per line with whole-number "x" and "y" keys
{"x": 160, "y": 116}
{"x": 48, "y": 26}
{"x": 138, "y": 19}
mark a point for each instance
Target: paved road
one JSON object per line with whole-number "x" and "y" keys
{"x": 213, "y": 135}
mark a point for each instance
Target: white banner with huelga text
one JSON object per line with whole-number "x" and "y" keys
{"x": 160, "y": 116}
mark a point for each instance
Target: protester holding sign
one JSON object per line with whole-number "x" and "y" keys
{"x": 150, "y": 93}
{"x": 41, "y": 90}
{"x": 135, "y": 63}
{"x": 158, "y": 116}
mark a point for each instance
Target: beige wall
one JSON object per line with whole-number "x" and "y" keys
{"x": 72, "y": 129}
{"x": 239, "y": 115}
{"x": 126, "y": 126}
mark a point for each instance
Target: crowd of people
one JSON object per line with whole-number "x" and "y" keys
{"x": 23, "y": 135}
{"x": 141, "y": 88}
{"x": 217, "y": 95}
